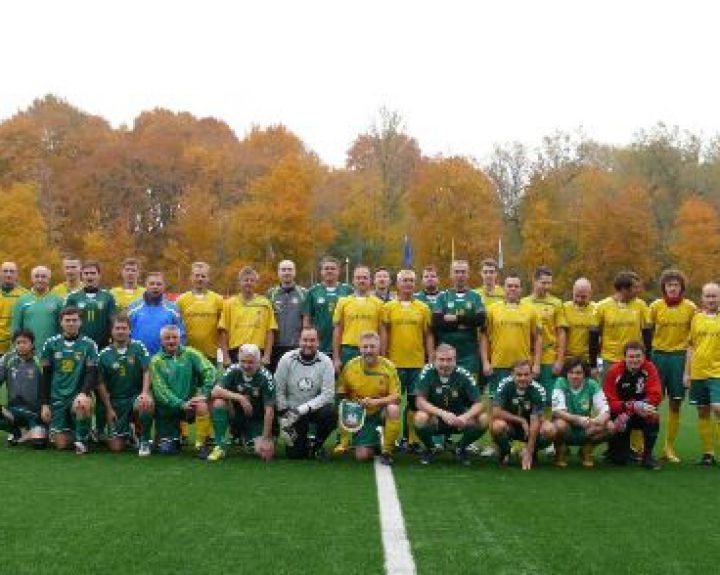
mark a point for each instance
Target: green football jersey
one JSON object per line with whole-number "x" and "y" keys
{"x": 260, "y": 388}
{"x": 96, "y": 310}
{"x": 174, "y": 378}
{"x": 121, "y": 370}
{"x": 41, "y": 315}
{"x": 581, "y": 401}
{"x": 429, "y": 299}
{"x": 456, "y": 393}
{"x": 69, "y": 360}
{"x": 468, "y": 307}
{"x": 319, "y": 305}
{"x": 523, "y": 403}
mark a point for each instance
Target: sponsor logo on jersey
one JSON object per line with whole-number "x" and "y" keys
{"x": 305, "y": 384}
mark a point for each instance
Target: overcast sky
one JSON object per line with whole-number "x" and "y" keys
{"x": 464, "y": 75}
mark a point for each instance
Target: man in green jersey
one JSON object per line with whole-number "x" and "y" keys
{"x": 321, "y": 300}
{"x": 69, "y": 363}
{"x": 125, "y": 386}
{"x": 430, "y": 286}
{"x": 20, "y": 370}
{"x": 96, "y": 305}
{"x": 458, "y": 314}
{"x": 175, "y": 373}
{"x": 517, "y": 415}
{"x": 448, "y": 402}
{"x": 39, "y": 310}
{"x": 580, "y": 411}
{"x": 245, "y": 394}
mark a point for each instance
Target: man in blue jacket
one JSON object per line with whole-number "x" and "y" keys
{"x": 153, "y": 311}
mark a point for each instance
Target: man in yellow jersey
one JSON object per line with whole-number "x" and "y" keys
{"x": 671, "y": 317}
{"x": 490, "y": 291}
{"x": 201, "y": 309}
{"x": 554, "y": 326}
{"x": 513, "y": 332}
{"x": 129, "y": 291}
{"x": 9, "y": 296}
{"x": 246, "y": 318}
{"x": 406, "y": 340}
{"x": 372, "y": 381}
{"x": 72, "y": 268}
{"x": 353, "y": 315}
{"x": 702, "y": 368}
{"x": 581, "y": 318}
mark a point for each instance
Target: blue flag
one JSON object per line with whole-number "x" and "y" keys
{"x": 407, "y": 253}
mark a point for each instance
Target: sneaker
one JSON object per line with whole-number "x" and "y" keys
{"x": 488, "y": 451}
{"x": 549, "y": 450}
{"x": 386, "y": 459}
{"x": 651, "y": 463}
{"x": 504, "y": 460}
{"x": 402, "y": 444}
{"x": 669, "y": 455}
{"x": 635, "y": 456}
{"x": 14, "y": 437}
{"x": 216, "y": 454}
{"x": 587, "y": 456}
{"x": 144, "y": 449}
{"x": 321, "y": 455}
{"x": 340, "y": 449}
{"x": 707, "y": 460}
{"x": 473, "y": 449}
{"x": 168, "y": 447}
{"x": 81, "y": 447}
{"x": 204, "y": 451}
{"x": 462, "y": 457}
{"x": 426, "y": 457}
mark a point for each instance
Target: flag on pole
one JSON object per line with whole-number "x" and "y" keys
{"x": 407, "y": 253}
{"x": 501, "y": 263}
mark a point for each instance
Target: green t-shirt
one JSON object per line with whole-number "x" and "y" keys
{"x": 463, "y": 336}
{"x": 578, "y": 402}
{"x": 121, "y": 370}
{"x": 96, "y": 309}
{"x": 259, "y": 389}
{"x": 41, "y": 315}
{"x": 69, "y": 360}
{"x": 319, "y": 305}
{"x": 430, "y": 299}
{"x": 455, "y": 394}
{"x": 174, "y": 378}
{"x": 523, "y": 403}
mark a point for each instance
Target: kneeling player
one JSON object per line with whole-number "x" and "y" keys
{"x": 305, "y": 390}
{"x": 245, "y": 398}
{"x": 175, "y": 372}
{"x": 21, "y": 371}
{"x": 125, "y": 386}
{"x": 371, "y": 382}
{"x": 518, "y": 407}
{"x": 632, "y": 388}
{"x": 448, "y": 402}
{"x": 580, "y": 411}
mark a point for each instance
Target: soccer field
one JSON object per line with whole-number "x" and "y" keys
{"x": 123, "y": 514}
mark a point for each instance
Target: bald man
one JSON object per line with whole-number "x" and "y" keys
{"x": 287, "y": 300}
{"x": 9, "y": 296}
{"x": 39, "y": 310}
{"x": 580, "y": 315}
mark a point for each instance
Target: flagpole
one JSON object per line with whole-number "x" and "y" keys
{"x": 452, "y": 251}
{"x": 347, "y": 270}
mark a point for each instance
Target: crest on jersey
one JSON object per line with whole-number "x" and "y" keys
{"x": 116, "y": 365}
{"x": 79, "y": 355}
{"x": 321, "y": 300}
{"x": 81, "y": 305}
{"x": 351, "y": 416}
{"x": 305, "y": 384}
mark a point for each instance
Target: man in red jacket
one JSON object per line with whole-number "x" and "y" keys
{"x": 632, "y": 388}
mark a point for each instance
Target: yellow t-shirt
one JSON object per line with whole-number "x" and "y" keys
{"x": 510, "y": 329}
{"x": 201, "y": 314}
{"x": 124, "y": 297}
{"x": 407, "y": 323}
{"x": 247, "y": 321}
{"x": 619, "y": 324}
{"x": 705, "y": 341}
{"x": 7, "y": 302}
{"x": 496, "y": 295}
{"x": 552, "y": 316}
{"x": 357, "y": 314}
{"x": 357, "y": 382}
{"x": 671, "y": 324}
{"x": 579, "y": 320}
{"x": 61, "y": 290}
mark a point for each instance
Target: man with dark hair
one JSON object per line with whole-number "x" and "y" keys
{"x": 430, "y": 286}
{"x": 96, "y": 305}
{"x": 382, "y": 283}
{"x": 490, "y": 291}
{"x": 632, "y": 388}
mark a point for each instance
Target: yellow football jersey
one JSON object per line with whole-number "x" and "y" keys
{"x": 201, "y": 314}
{"x": 7, "y": 302}
{"x": 62, "y": 290}
{"x": 407, "y": 323}
{"x": 705, "y": 341}
{"x": 489, "y": 298}
{"x": 619, "y": 324}
{"x": 247, "y": 321}
{"x": 671, "y": 324}
{"x": 552, "y": 316}
{"x": 357, "y": 382}
{"x": 357, "y": 314}
{"x": 510, "y": 329}
{"x": 124, "y": 297}
{"x": 579, "y": 321}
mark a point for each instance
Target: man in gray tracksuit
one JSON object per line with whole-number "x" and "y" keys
{"x": 287, "y": 300}
{"x": 305, "y": 393}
